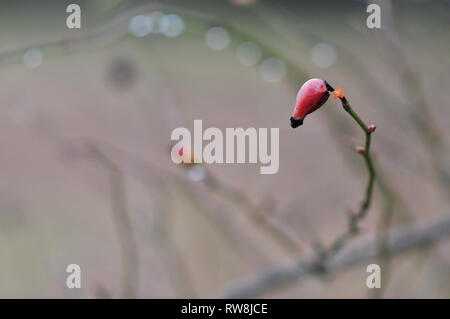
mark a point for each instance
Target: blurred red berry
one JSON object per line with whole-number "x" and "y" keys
{"x": 186, "y": 155}
{"x": 312, "y": 95}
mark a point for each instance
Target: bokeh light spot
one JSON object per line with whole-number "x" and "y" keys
{"x": 140, "y": 26}
{"x": 273, "y": 70}
{"x": 196, "y": 173}
{"x": 248, "y": 53}
{"x": 323, "y": 55}
{"x": 171, "y": 25}
{"x": 33, "y": 58}
{"x": 217, "y": 38}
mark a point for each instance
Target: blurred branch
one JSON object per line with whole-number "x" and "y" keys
{"x": 120, "y": 215}
{"x": 130, "y": 255}
{"x": 281, "y": 235}
{"x": 401, "y": 240}
{"x": 421, "y": 116}
{"x": 161, "y": 178}
{"x": 175, "y": 263}
{"x": 419, "y": 110}
{"x": 383, "y": 231}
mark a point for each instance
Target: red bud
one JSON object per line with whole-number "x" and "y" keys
{"x": 359, "y": 149}
{"x": 371, "y": 128}
{"x": 338, "y": 93}
{"x": 312, "y": 95}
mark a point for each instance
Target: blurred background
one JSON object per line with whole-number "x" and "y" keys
{"x": 85, "y": 123}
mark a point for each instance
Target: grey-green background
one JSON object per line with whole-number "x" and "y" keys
{"x": 85, "y": 124}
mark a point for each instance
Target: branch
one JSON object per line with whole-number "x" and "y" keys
{"x": 260, "y": 219}
{"x": 354, "y": 218}
{"x": 120, "y": 215}
{"x": 401, "y": 240}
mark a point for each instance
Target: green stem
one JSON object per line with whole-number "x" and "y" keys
{"x": 367, "y": 159}
{"x": 325, "y": 255}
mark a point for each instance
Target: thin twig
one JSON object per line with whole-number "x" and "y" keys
{"x": 383, "y": 229}
{"x": 130, "y": 255}
{"x": 401, "y": 240}
{"x": 128, "y": 246}
{"x": 173, "y": 258}
{"x": 354, "y": 218}
{"x": 279, "y": 234}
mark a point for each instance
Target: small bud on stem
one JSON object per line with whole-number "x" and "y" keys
{"x": 338, "y": 93}
{"x": 360, "y": 149}
{"x": 371, "y": 128}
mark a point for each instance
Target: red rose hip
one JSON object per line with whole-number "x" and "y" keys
{"x": 312, "y": 95}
